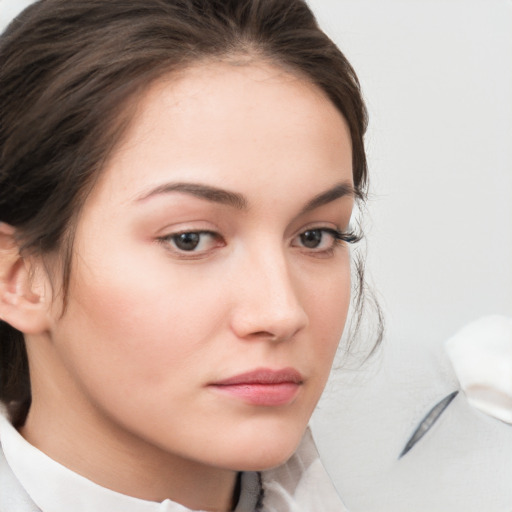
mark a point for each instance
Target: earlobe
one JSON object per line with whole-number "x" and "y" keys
{"x": 21, "y": 306}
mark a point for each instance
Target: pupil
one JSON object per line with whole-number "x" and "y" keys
{"x": 187, "y": 241}
{"x": 311, "y": 239}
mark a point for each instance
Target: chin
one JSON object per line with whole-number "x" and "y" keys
{"x": 268, "y": 460}
{"x": 266, "y": 449}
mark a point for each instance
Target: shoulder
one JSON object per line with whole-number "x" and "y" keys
{"x": 12, "y": 495}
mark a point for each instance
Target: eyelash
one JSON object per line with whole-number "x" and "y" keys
{"x": 339, "y": 238}
{"x": 349, "y": 237}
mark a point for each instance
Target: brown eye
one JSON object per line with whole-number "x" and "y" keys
{"x": 321, "y": 241}
{"x": 311, "y": 238}
{"x": 187, "y": 241}
{"x": 192, "y": 243}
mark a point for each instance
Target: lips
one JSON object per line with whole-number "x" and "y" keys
{"x": 263, "y": 386}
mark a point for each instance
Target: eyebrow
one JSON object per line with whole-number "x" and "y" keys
{"x": 238, "y": 201}
{"x": 338, "y": 191}
{"x": 214, "y": 194}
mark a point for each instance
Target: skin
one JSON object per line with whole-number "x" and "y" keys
{"x": 121, "y": 381}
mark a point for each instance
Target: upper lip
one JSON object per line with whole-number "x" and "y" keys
{"x": 263, "y": 376}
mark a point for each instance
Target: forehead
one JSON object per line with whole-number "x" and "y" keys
{"x": 222, "y": 121}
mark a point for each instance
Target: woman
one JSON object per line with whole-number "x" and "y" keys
{"x": 177, "y": 181}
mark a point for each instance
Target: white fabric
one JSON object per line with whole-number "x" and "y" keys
{"x": 481, "y": 355}
{"x": 302, "y": 484}
{"x": 30, "y": 481}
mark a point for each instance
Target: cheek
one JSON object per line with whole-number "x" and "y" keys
{"x": 136, "y": 327}
{"x": 327, "y": 306}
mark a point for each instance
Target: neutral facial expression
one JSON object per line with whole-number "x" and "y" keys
{"x": 211, "y": 279}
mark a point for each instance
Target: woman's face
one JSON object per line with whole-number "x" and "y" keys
{"x": 209, "y": 289}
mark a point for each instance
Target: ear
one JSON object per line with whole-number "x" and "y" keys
{"x": 23, "y": 304}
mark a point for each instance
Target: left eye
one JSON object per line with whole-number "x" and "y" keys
{"x": 317, "y": 239}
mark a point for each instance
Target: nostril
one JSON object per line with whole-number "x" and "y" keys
{"x": 265, "y": 334}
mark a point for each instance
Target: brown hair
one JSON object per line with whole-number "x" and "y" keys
{"x": 71, "y": 69}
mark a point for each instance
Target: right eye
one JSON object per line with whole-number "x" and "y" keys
{"x": 192, "y": 242}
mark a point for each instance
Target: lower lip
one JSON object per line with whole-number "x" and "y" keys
{"x": 269, "y": 395}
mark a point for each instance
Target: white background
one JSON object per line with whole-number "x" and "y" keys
{"x": 9, "y": 8}
{"x": 437, "y": 77}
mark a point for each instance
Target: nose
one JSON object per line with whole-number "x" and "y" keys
{"x": 267, "y": 304}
